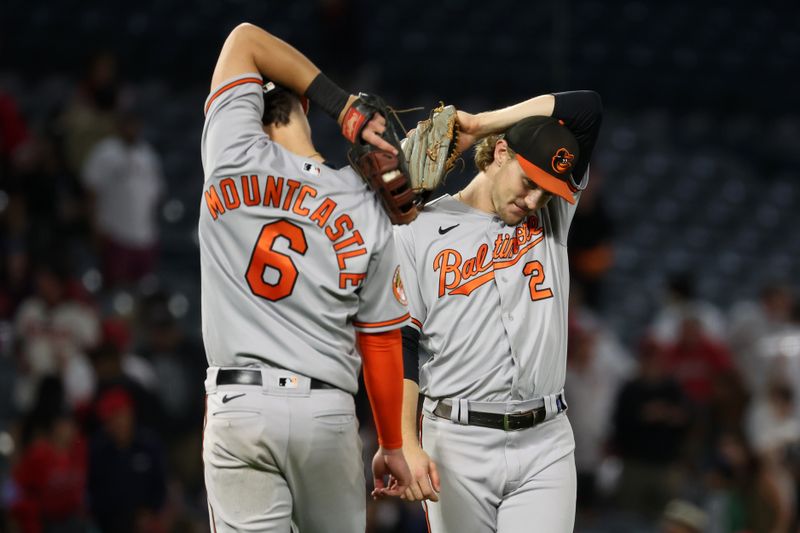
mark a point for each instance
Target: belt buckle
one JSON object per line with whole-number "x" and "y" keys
{"x": 507, "y": 422}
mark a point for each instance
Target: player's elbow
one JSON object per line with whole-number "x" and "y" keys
{"x": 244, "y": 27}
{"x": 595, "y": 102}
{"x": 244, "y": 32}
{"x": 590, "y": 102}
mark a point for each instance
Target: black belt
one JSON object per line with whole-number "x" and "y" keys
{"x": 508, "y": 421}
{"x": 240, "y": 376}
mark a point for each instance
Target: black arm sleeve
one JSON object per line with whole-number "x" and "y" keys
{"x": 410, "y": 353}
{"x": 582, "y": 113}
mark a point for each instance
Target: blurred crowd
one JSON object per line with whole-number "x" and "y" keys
{"x": 694, "y": 428}
{"x": 102, "y": 407}
{"x": 704, "y": 411}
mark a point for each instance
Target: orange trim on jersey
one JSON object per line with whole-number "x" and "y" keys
{"x": 381, "y": 324}
{"x": 231, "y": 85}
{"x": 416, "y": 322}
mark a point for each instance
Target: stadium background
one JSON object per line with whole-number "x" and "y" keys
{"x": 685, "y": 249}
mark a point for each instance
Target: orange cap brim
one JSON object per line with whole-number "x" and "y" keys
{"x": 545, "y": 180}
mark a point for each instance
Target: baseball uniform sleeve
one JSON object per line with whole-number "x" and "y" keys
{"x": 233, "y": 125}
{"x": 562, "y": 212}
{"x": 404, "y": 240}
{"x": 382, "y": 299}
{"x": 582, "y": 113}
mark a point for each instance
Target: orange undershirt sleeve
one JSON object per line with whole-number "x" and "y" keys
{"x": 382, "y": 354}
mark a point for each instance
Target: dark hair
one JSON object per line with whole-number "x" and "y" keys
{"x": 278, "y": 105}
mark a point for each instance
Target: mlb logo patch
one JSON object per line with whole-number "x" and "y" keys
{"x": 310, "y": 168}
{"x": 288, "y": 382}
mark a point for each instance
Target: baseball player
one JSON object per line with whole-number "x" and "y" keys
{"x": 487, "y": 284}
{"x": 298, "y": 266}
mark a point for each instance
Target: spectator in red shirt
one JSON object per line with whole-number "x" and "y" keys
{"x": 50, "y": 476}
{"x": 695, "y": 360}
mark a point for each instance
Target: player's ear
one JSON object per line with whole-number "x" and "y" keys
{"x": 501, "y": 152}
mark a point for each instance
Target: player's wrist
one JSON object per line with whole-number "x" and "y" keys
{"x": 328, "y": 96}
{"x": 411, "y": 445}
{"x": 350, "y": 101}
{"x": 410, "y": 435}
{"x": 392, "y": 448}
{"x": 470, "y": 123}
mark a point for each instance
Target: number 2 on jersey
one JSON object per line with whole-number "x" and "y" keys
{"x": 265, "y": 256}
{"x": 536, "y": 272}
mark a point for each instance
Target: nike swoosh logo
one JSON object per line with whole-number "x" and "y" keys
{"x": 226, "y": 398}
{"x": 445, "y": 230}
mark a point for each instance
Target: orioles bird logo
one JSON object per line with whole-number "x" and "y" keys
{"x": 562, "y": 161}
{"x": 397, "y": 287}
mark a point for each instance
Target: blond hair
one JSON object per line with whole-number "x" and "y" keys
{"x": 484, "y": 151}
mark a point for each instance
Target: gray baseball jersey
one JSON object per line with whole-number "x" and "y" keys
{"x": 489, "y": 300}
{"x": 295, "y": 256}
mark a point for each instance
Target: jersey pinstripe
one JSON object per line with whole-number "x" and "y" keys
{"x": 295, "y": 256}
{"x": 489, "y": 300}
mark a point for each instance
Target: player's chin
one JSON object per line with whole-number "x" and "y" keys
{"x": 514, "y": 215}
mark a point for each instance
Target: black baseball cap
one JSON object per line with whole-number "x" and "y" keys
{"x": 546, "y": 150}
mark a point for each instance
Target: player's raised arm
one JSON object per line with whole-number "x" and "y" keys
{"x": 249, "y": 49}
{"x": 581, "y": 112}
{"x": 488, "y": 122}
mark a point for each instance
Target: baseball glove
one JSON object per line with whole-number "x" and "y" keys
{"x": 387, "y": 174}
{"x": 430, "y": 150}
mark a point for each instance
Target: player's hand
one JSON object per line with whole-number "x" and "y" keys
{"x": 425, "y": 477}
{"x": 468, "y": 130}
{"x": 373, "y": 134}
{"x": 390, "y": 463}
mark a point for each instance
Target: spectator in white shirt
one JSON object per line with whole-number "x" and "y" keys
{"x": 123, "y": 174}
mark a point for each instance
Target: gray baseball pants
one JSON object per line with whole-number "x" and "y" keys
{"x": 281, "y": 455}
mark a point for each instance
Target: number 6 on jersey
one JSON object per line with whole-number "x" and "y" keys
{"x": 264, "y": 256}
